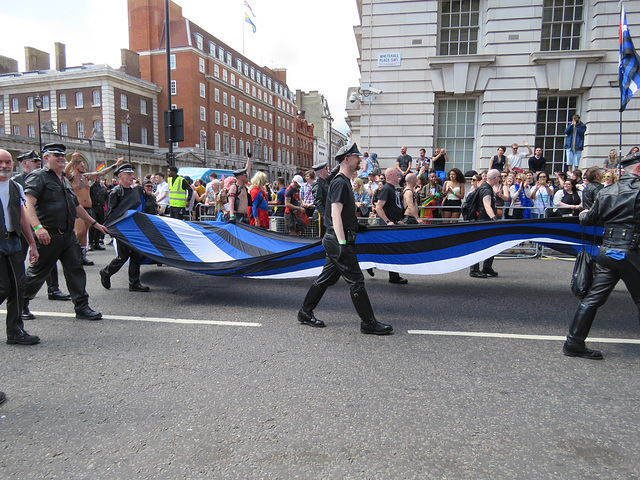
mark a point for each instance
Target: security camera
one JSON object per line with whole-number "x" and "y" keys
{"x": 374, "y": 90}
{"x": 353, "y": 97}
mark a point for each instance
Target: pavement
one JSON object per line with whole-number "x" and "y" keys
{"x": 212, "y": 377}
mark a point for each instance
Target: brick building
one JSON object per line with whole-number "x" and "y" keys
{"x": 229, "y": 102}
{"x": 304, "y": 143}
{"x": 88, "y": 104}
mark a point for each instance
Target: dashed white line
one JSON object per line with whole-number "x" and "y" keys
{"x": 632, "y": 341}
{"x": 152, "y": 319}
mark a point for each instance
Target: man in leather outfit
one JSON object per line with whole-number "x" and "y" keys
{"x": 618, "y": 208}
{"x": 339, "y": 245}
{"x": 320, "y": 188}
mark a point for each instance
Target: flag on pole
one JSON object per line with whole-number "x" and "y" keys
{"x": 629, "y": 75}
{"x": 246, "y": 4}
{"x": 248, "y": 20}
{"x": 100, "y": 167}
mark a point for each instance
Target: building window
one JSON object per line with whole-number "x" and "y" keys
{"x": 216, "y": 95}
{"x": 562, "y": 24}
{"x": 279, "y": 138}
{"x": 16, "y": 130}
{"x": 124, "y": 128}
{"x": 199, "y": 41}
{"x": 143, "y": 106}
{"x": 174, "y": 87}
{"x": 225, "y": 98}
{"x": 233, "y": 145}
{"x": 253, "y": 130}
{"x": 253, "y": 73}
{"x": 240, "y": 83}
{"x": 259, "y": 131}
{"x": 253, "y": 90}
{"x": 2, "y": 129}
{"x": 79, "y": 100}
{"x": 224, "y": 75}
{"x": 233, "y": 123}
{"x": 212, "y": 49}
{"x": 241, "y": 146}
{"x": 246, "y": 70}
{"x": 233, "y": 79}
{"x": 63, "y": 101}
{"x": 217, "y": 117}
{"x": 233, "y": 101}
{"x": 15, "y": 105}
{"x": 229, "y": 59}
{"x": 271, "y": 118}
{"x": 97, "y": 125}
{"x": 241, "y": 106}
{"x": 459, "y": 25}
{"x": 124, "y": 102}
{"x": 203, "y": 114}
{"x": 238, "y": 64}
{"x": 31, "y": 131}
{"x": 64, "y": 130}
{"x": 241, "y": 126}
{"x": 216, "y": 71}
{"x": 225, "y": 120}
{"x": 259, "y": 94}
{"x": 221, "y": 55}
{"x": 201, "y": 65}
{"x": 225, "y": 143}
{"x": 144, "y": 136}
{"x": 217, "y": 139}
{"x": 554, "y": 114}
{"x": 80, "y": 129}
{"x": 456, "y": 121}
{"x": 1, "y": 106}
{"x": 203, "y": 90}
{"x": 45, "y": 102}
{"x": 253, "y": 111}
{"x": 271, "y": 135}
{"x": 95, "y": 98}
{"x": 259, "y": 114}
{"x": 29, "y": 104}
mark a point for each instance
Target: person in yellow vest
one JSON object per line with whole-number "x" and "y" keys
{"x": 179, "y": 193}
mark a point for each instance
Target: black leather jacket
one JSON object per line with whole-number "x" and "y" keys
{"x": 320, "y": 189}
{"x": 617, "y": 207}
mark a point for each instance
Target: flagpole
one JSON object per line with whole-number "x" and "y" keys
{"x": 620, "y": 150}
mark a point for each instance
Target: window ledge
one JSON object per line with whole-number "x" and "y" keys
{"x": 444, "y": 60}
{"x": 589, "y": 55}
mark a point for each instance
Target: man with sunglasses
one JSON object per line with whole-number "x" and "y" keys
{"x": 594, "y": 177}
{"x": 52, "y": 208}
{"x": 30, "y": 161}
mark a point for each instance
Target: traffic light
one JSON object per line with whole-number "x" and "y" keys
{"x": 174, "y": 125}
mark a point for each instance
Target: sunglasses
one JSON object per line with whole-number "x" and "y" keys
{"x": 58, "y": 155}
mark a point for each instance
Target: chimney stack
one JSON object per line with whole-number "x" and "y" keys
{"x": 61, "y": 56}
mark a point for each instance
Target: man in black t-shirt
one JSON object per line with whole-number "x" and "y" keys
{"x": 339, "y": 246}
{"x": 390, "y": 210}
{"x": 486, "y": 206}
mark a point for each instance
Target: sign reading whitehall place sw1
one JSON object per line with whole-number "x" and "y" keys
{"x": 389, "y": 59}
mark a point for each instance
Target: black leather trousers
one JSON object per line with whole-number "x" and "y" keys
{"x": 12, "y": 282}
{"x": 126, "y": 253}
{"x": 52, "y": 280}
{"x": 63, "y": 247}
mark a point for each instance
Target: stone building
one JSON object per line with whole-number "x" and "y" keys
{"x": 471, "y": 75}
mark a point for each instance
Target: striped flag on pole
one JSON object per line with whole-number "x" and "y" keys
{"x": 100, "y": 167}
{"x": 248, "y": 20}
{"x": 246, "y": 4}
{"x": 629, "y": 75}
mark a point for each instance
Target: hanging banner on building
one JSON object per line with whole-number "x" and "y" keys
{"x": 389, "y": 59}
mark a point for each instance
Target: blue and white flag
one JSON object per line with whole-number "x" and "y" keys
{"x": 218, "y": 248}
{"x": 629, "y": 75}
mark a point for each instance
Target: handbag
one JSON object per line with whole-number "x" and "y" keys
{"x": 301, "y": 218}
{"x": 583, "y": 271}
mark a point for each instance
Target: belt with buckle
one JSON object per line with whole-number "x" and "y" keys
{"x": 10, "y": 234}
{"x": 51, "y": 230}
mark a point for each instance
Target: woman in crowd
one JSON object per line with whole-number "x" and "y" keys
{"x": 610, "y": 177}
{"x": 568, "y": 201}
{"x": 542, "y": 196}
{"x": 211, "y": 198}
{"x": 506, "y": 192}
{"x": 499, "y": 161}
{"x": 519, "y": 193}
{"x": 501, "y": 192}
{"x": 454, "y": 191}
{"x": 576, "y": 174}
{"x": 475, "y": 181}
{"x": 367, "y": 167}
{"x": 612, "y": 160}
{"x": 633, "y": 150}
{"x": 259, "y": 208}
{"x": 363, "y": 200}
{"x": 223, "y": 199}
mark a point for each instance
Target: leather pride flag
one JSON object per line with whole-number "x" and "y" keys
{"x": 629, "y": 74}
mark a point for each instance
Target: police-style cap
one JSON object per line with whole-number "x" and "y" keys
{"x": 124, "y": 168}
{"x": 319, "y": 166}
{"x": 347, "y": 150}
{"x": 239, "y": 172}
{"x": 146, "y": 181}
{"x": 54, "y": 148}
{"x": 30, "y": 155}
{"x": 630, "y": 160}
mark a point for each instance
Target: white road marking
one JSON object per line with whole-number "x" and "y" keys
{"x": 151, "y": 319}
{"x": 519, "y": 336}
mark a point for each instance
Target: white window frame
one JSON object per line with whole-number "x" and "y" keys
{"x": 203, "y": 90}
{"x": 203, "y": 113}
{"x": 80, "y": 129}
{"x": 174, "y": 87}
{"x": 201, "y": 67}
{"x": 95, "y": 98}
{"x": 79, "y": 100}
{"x": 62, "y": 101}
{"x": 143, "y": 107}
{"x": 124, "y": 102}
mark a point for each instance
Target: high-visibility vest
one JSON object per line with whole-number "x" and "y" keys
{"x": 177, "y": 195}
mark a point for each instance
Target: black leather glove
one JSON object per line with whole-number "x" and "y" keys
{"x": 344, "y": 249}
{"x": 249, "y": 153}
{"x": 232, "y": 220}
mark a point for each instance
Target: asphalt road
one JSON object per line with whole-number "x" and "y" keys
{"x": 130, "y": 399}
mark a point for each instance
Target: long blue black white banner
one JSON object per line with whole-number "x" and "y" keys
{"x": 217, "y": 248}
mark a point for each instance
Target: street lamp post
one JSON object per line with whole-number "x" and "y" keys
{"x": 203, "y": 134}
{"x": 129, "y": 135}
{"x": 38, "y": 103}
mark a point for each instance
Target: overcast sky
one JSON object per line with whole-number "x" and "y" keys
{"x": 314, "y": 41}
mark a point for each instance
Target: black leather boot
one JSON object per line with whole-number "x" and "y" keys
{"x": 578, "y": 331}
{"x": 26, "y": 314}
{"x": 311, "y": 300}
{"x": 369, "y": 324}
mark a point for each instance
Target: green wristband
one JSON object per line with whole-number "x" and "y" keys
{"x": 37, "y": 227}
{"x": 342, "y": 242}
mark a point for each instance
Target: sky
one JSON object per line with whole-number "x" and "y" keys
{"x": 314, "y": 41}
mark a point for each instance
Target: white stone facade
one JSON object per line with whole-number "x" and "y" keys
{"x": 504, "y": 92}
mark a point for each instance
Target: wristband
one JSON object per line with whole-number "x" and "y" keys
{"x": 232, "y": 216}
{"x": 37, "y": 227}
{"x": 342, "y": 242}
{"x": 94, "y": 222}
